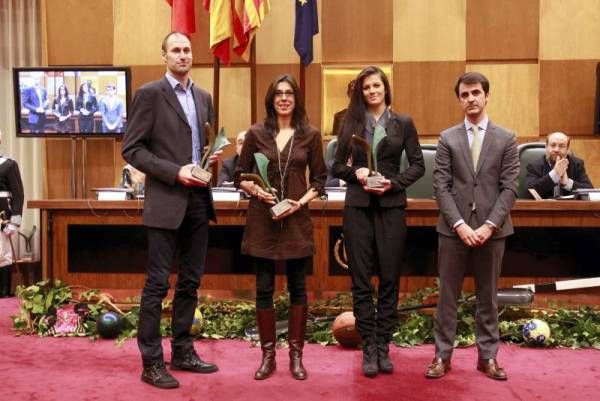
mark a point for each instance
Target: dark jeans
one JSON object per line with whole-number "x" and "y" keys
{"x": 265, "y": 281}
{"x": 374, "y": 239}
{"x": 191, "y": 242}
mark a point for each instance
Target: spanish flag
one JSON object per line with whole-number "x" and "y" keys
{"x": 183, "y": 16}
{"x": 233, "y": 24}
{"x": 221, "y": 28}
{"x": 248, "y": 17}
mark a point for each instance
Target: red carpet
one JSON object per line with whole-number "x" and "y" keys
{"x": 36, "y": 369}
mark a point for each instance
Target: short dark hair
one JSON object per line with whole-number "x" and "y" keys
{"x": 163, "y": 46}
{"x": 471, "y": 78}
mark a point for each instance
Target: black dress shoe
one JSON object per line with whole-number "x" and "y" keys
{"x": 186, "y": 358}
{"x": 156, "y": 374}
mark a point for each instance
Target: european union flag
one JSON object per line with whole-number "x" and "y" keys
{"x": 307, "y": 25}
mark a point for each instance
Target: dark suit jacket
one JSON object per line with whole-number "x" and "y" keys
{"x": 337, "y": 122}
{"x": 158, "y": 142}
{"x": 538, "y": 178}
{"x": 31, "y": 102}
{"x": 227, "y": 170}
{"x": 401, "y": 136}
{"x": 487, "y": 194}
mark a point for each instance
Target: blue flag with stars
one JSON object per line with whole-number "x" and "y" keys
{"x": 307, "y": 25}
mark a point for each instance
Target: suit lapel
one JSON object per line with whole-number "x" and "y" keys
{"x": 487, "y": 143}
{"x": 466, "y": 149}
{"x": 172, "y": 100}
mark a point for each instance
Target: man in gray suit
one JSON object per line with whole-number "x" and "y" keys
{"x": 475, "y": 180}
{"x": 164, "y": 140}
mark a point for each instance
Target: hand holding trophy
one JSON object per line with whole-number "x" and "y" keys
{"x": 282, "y": 205}
{"x": 215, "y": 143}
{"x": 374, "y": 180}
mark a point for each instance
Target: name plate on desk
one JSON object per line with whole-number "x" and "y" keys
{"x": 112, "y": 194}
{"x": 591, "y": 194}
{"x": 225, "y": 194}
{"x": 335, "y": 193}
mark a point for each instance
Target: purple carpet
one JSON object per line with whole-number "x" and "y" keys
{"x": 40, "y": 368}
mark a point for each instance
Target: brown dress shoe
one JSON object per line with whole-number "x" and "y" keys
{"x": 491, "y": 369}
{"x": 437, "y": 368}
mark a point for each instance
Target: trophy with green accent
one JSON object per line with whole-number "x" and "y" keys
{"x": 282, "y": 205}
{"x": 374, "y": 180}
{"x": 215, "y": 143}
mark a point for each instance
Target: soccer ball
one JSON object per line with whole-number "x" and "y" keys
{"x": 196, "y": 323}
{"x": 536, "y": 331}
{"x": 344, "y": 330}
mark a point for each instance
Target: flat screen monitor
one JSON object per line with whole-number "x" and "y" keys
{"x": 71, "y": 101}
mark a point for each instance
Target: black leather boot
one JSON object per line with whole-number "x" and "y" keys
{"x": 369, "y": 364}
{"x": 265, "y": 318}
{"x": 185, "y": 358}
{"x": 5, "y": 278}
{"x": 296, "y": 330}
{"x": 156, "y": 374}
{"x": 383, "y": 356}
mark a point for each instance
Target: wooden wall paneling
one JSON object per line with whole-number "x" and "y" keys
{"x": 234, "y": 101}
{"x": 432, "y": 30}
{"x": 569, "y": 29}
{"x": 265, "y": 74}
{"x": 139, "y": 28}
{"x": 58, "y": 168}
{"x": 78, "y": 32}
{"x": 357, "y": 31}
{"x": 312, "y": 100}
{"x": 514, "y": 91}
{"x": 425, "y": 91}
{"x": 502, "y": 30}
{"x": 587, "y": 149}
{"x": 141, "y": 74}
{"x": 275, "y": 38}
{"x": 100, "y": 164}
{"x": 567, "y": 96}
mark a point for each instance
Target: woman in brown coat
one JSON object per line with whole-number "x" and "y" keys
{"x": 291, "y": 145}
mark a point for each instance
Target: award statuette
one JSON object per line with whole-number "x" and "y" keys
{"x": 215, "y": 144}
{"x": 374, "y": 179}
{"x": 281, "y": 206}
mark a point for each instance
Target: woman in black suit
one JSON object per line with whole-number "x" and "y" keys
{"x": 86, "y": 105}
{"x": 374, "y": 219}
{"x": 63, "y": 110}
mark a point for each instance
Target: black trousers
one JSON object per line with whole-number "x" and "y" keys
{"x": 374, "y": 238}
{"x": 295, "y": 270}
{"x": 191, "y": 243}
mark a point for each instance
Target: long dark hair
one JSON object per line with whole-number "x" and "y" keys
{"x": 299, "y": 117}
{"x": 354, "y": 121}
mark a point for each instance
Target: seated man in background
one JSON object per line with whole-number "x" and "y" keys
{"x": 558, "y": 172}
{"x": 228, "y": 167}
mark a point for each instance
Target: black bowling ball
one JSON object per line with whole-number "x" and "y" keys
{"x": 109, "y": 325}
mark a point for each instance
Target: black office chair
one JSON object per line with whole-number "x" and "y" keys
{"x": 528, "y": 152}
{"x": 330, "y": 151}
{"x": 423, "y": 187}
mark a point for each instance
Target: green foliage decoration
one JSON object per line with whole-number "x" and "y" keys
{"x": 575, "y": 327}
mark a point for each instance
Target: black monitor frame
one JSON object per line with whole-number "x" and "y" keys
{"x": 22, "y": 125}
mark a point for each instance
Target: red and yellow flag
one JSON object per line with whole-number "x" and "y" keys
{"x": 233, "y": 24}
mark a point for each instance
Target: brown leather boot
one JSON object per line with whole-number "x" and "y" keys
{"x": 268, "y": 340}
{"x": 296, "y": 331}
